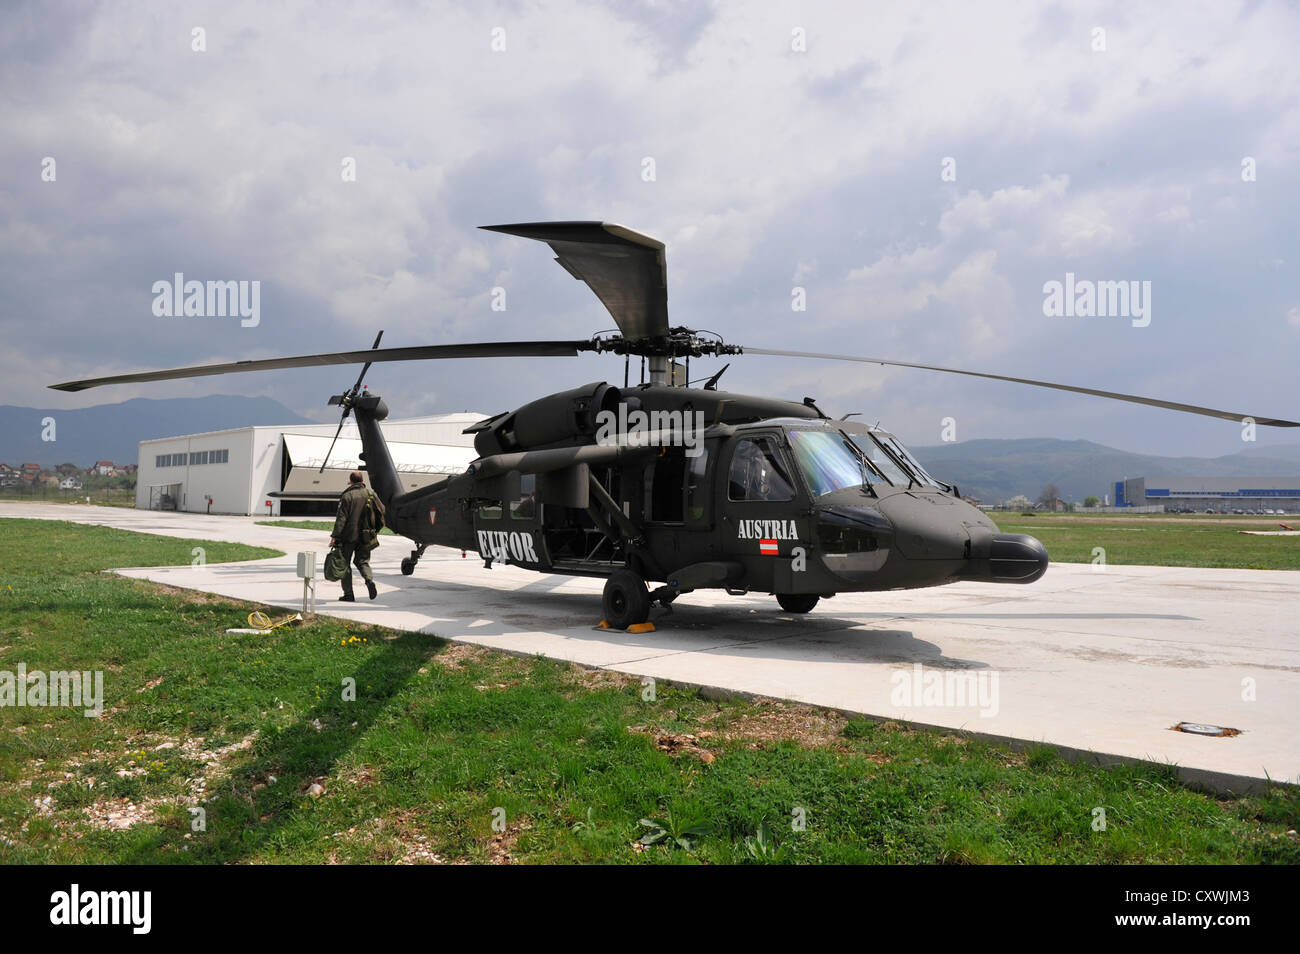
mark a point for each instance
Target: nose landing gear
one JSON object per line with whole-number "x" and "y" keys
{"x": 797, "y": 602}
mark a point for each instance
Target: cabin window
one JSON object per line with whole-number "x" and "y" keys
{"x": 758, "y": 472}
{"x": 525, "y": 508}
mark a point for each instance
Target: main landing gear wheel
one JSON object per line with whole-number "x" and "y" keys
{"x": 797, "y": 602}
{"x": 626, "y": 600}
{"x": 408, "y": 564}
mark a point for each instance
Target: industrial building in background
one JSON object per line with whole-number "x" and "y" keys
{"x": 1219, "y": 494}
{"x": 277, "y": 470}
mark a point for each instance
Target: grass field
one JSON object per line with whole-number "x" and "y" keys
{"x": 100, "y": 497}
{"x": 325, "y": 525}
{"x": 1160, "y": 539}
{"x": 443, "y": 740}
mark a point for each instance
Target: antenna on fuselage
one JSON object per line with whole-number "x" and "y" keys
{"x": 712, "y": 383}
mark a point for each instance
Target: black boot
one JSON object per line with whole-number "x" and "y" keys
{"x": 370, "y": 588}
{"x": 347, "y": 598}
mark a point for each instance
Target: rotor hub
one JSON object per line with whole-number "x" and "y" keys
{"x": 680, "y": 342}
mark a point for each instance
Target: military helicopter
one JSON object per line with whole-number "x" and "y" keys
{"x": 682, "y": 488}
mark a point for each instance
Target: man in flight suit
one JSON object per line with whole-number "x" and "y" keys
{"x": 347, "y": 536}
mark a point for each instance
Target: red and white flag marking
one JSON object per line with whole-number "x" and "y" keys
{"x": 767, "y": 547}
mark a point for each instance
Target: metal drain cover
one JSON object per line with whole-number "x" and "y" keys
{"x": 1201, "y": 728}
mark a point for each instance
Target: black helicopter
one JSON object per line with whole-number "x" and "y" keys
{"x": 686, "y": 488}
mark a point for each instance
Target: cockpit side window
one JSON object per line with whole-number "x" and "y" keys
{"x": 758, "y": 472}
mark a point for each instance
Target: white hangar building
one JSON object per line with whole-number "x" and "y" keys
{"x": 1216, "y": 493}
{"x": 276, "y": 470}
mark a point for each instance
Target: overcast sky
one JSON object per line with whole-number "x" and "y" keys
{"x": 793, "y": 144}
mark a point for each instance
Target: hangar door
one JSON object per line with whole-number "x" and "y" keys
{"x": 164, "y": 496}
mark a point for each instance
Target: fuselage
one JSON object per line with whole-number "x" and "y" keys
{"x": 707, "y": 489}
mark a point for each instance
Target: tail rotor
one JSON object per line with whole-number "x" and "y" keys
{"x": 346, "y": 400}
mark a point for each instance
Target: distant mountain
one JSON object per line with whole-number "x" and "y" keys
{"x": 996, "y": 470}
{"x": 1289, "y": 452}
{"x": 113, "y": 431}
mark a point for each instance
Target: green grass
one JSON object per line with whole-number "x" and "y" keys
{"x": 1160, "y": 539}
{"x": 325, "y": 525}
{"x": 442, "y": 736}
{"x": 99, "y": 496}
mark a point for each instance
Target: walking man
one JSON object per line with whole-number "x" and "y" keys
{"x": 355, "y": 527}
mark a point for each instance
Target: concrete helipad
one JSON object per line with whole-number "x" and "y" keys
{"x": 1098, "y": 661}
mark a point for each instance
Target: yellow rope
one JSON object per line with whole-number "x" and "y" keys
{"x": 259, "y": 620}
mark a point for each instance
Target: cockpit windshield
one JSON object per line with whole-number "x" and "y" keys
{"x": 906, "y": 456}
{"x": 882, "y": 461}
{"x": 828, "y": 462}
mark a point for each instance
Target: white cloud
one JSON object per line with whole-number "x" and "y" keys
{"x": 819, "y": 167}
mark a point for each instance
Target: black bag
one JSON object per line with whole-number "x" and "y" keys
{"x": 335, "y": 566}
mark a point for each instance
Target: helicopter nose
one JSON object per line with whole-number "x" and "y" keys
{"x": 1012, "y": 558}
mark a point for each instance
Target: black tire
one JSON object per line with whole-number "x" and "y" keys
{"x": 797, "y": 602}
{"x": 408, "y": 566}
{"x": 626, "y": 600}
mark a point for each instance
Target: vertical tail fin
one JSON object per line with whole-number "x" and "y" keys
{"x": 370, "y": 409}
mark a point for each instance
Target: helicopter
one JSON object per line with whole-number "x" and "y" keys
{"x": 666, "y": 485}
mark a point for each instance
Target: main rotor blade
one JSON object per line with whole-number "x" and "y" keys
{"x": 624, "y": 268}
{"x": 1113, "y": 395}
{"x": 489, "y": 349}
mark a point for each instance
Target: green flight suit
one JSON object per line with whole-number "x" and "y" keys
{"x": 347, "y": 534}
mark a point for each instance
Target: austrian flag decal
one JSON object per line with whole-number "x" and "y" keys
{"x": 767, "y": 547}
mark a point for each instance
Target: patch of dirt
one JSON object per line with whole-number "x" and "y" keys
{"x": 119, "y": 814}
{"x": 677, "y": 743}
{"x": 122, "y": 813}
{"x": 363, "y": 775}
{"x": 190, "y": 596}
{"x": 589, "y": 678}
{"x": 402, "y": 842}
{"x": 771, "y": 720}
{"x": 416, "y": 849}
{"x": 459, "y": 654}
{"x": 501, "y": 843}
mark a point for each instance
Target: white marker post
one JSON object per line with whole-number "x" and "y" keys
{"x": 307, "y": 570}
